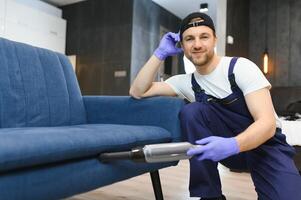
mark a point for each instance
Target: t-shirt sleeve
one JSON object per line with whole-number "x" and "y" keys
{"x": 175, "y": 83}
{"x": 249, "y": 77}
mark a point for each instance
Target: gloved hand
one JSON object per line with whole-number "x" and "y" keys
{"x": 167, "y": 46}
{"x": 214, "y": 148}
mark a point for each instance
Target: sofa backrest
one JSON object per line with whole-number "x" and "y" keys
{"x": 38, "y": 87}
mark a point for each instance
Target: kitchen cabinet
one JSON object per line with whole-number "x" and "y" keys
{"x": 29, "y": 25}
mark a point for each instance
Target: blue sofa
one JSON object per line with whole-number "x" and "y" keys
{"x": 51, "y": 135}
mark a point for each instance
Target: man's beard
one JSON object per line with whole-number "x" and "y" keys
{"x": 202, "y": 60}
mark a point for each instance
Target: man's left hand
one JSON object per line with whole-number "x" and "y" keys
{"x": 214, "y": 148}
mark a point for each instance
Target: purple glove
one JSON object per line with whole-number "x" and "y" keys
{"x": 214, "y": 148}
{"x": 167, "y": 46}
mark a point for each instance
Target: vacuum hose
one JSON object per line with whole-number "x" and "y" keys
{"x": 153, "y": 153}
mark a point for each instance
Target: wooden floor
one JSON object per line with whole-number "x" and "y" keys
{"x": 174, "y": 180}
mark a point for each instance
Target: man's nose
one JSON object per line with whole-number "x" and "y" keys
{"x": 197, "y": 44}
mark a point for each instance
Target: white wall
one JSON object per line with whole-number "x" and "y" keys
{"x": 2, "y": 17}
{"x": 30, "y": 24}
{"x": 42, "y": 6}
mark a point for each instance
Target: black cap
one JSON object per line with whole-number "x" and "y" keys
{"x": 205, "y": 21}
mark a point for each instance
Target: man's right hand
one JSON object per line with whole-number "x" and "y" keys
{"x": 167, "y": 46}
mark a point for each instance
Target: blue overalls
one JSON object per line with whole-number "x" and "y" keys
{"x": 271, "y": 165}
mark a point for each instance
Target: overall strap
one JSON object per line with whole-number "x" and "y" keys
{"x": 199, "y": 92}
{"x": 195, "y": 86}
{"x": 231, "y": 76}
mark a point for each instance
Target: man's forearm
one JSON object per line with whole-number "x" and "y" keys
{"x": 145, "y": 77}
{"x": 256, "y": 134}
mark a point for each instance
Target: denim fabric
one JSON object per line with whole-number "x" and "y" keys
{"x": 37, "y": 88}
{"x": 23, "y": 147}
{"x": 63, "y": 180}
{"x": 154, "y": 111}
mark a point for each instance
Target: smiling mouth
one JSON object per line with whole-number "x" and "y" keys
{"x": 198, "y": 52}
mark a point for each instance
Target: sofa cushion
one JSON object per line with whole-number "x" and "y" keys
{"x": 38, "y": 88}
{"x": 24, "y": 147}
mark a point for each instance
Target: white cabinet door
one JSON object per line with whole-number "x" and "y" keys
{"x": 17, "y": 32}
{"x": 2, "y": 15}
{"x": 2, "y": 27}
{"x": 21, "y": 33}
{"x": 2, "y": 8}
{"x": 35, "y": 19}
{"x": 19, "y": 13}
{"x": 32, "y": 26}
{"x": 51, "y": 25}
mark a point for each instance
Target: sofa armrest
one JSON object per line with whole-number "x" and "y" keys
{"x": 154, "y": 111}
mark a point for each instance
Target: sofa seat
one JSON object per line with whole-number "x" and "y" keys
{"x": 24, "y": 147}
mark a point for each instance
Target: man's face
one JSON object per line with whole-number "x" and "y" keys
{"x": 198, "y": 44}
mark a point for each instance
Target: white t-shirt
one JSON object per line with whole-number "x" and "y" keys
{"x": 248, "y": 77}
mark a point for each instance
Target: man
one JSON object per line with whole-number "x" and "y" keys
{"x": 231, "y": 115}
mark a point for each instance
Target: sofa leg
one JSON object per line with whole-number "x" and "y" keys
{"x": 156, "y": 185}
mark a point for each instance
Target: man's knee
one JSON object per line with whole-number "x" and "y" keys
{"x": 191, "y": 111}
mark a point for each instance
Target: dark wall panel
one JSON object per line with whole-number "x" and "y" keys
{"x": 281, "y": 20}
{"x": 148, "y": 17}
{"x": 272, "y": 24}
{"x": 238, "y": 27}
{"x": 282, "y": 57}
{"x": 257, "y": 34}
{"x": 99, "y": 34}
{"x": 295, "y": 44}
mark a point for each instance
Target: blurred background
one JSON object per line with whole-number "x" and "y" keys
{"x": 109, "y": 41}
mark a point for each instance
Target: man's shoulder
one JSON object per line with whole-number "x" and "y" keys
{"x": 243, "y": 67}
{"x": 179, "y": 77}
{"x": 243, "y": 64}
{"x": 240, "y": 60}
{"x": 179, "y": 80}
{"x": 245, "y": 60}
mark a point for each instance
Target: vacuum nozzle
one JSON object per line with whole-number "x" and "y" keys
{"x": 153, "y": 153}
{"x": 135, "y": 154}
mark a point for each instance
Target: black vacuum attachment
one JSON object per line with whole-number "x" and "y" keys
{"x": 153, "y": 153}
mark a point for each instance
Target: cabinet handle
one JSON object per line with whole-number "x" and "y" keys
{"x": 53, "y": 32}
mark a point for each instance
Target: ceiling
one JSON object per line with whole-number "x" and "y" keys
{"x": 179, "y": 8}
{"x": 61, "y": 2}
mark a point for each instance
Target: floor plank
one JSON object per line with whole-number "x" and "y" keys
{"x": 174, "y": 180}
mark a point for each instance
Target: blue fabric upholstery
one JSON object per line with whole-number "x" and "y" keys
{"x": 37, "y": 88}
{"x": 64, "y": 180}
{"x": 51, "y": 136}
{"x": 155, "y": 111}
{"x": 42, "y": 145}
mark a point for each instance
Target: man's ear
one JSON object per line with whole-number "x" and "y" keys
{"x": 215, "y": 38}
{"x": 179, "y": 44}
